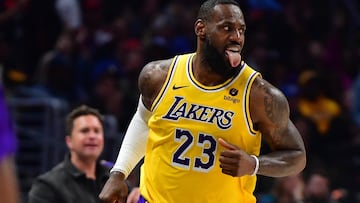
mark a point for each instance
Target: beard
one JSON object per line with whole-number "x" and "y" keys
{"x": 216, "y": 61}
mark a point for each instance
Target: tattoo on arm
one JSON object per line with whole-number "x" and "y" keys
{"x": 276, "y": 105}
{"x": 269, "y": 104}
{"x": 272, "y": 111}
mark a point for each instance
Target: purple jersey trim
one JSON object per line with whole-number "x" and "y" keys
{"x": 141, "y": 199}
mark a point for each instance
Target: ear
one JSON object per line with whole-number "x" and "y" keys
{"x": 200, "y": 28}
{"x": 68, "y": 141}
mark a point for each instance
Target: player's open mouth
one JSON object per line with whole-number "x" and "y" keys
{"x": 91, "y": 145}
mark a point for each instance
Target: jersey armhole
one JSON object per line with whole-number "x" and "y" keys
{"x": 166, "y": 84}
{"x": 250, "y": 124}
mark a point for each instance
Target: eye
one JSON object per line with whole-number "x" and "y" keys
{"x": 242, "y": 30}
{"x": 227, "y": 28}
{"x": 98, "y": 130}
{"x": 84, "y": 130}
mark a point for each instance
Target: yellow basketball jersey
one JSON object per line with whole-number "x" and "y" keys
{"x": 182, "y": 154}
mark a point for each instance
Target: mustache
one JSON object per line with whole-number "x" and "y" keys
{"x": 233, "y": 43}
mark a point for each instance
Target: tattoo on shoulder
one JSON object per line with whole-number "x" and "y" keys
{"x": 275, "y": 104}
{"x": 269, "y": 104}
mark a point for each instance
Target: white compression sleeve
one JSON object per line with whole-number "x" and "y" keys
{"x": 133, "y": 146}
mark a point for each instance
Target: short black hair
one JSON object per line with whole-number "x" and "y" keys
{"x": 207, "y": 7}
{"x": 82, "y": 110}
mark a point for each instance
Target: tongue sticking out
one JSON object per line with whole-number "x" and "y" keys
{"x": 234, "y": 58}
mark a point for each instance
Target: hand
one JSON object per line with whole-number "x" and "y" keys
{"x": 235, "y": 161}
{"x": 134, "y": 195}
{"x": 115, "y": 190}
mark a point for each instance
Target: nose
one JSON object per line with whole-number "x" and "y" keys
{"x": 93, "y": 134}
{"x": 237, "y": 36}
{"x": 238, "y": 33}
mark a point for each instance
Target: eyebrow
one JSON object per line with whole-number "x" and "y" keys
{"x": 230, "y": 22}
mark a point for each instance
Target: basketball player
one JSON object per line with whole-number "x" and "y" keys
{"x": 200, "y": 120}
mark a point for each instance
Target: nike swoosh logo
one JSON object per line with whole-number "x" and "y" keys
{"x": 178, "y": 87}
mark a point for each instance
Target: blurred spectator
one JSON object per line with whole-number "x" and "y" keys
{"x": 9, "y": 10}
{"x": 96, "y": 33}
{"x": 8, "y": 179}
{"x": 40, "y": 29}
{"x": 322, "y": 111}
{"x": 356, "y": 100}
{"x": 264, "y": 4}
{"x": 328, "y": 131}
{"x": 11, "y": 38}
{"x": 70, "y": 14}
{"x": 285, "y": 190}
{"x": 56, "y": 67}
{"x": 81, "y": 176}
{"x": 111, "y": 93}
{"x": 315, "y": 104}
{"x": 317, "y": 189}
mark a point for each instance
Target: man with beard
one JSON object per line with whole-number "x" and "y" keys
{"x": 200, "y": 120}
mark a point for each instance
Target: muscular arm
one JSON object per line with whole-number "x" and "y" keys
{"x": 151, "y": 79}
{"x": 270, "y": 114}
{"x": 133, "y": 147}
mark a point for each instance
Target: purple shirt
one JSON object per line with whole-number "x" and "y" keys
{"x": 7, "y": 137}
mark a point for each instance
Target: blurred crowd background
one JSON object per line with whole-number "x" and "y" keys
{"x": 58, "y": 54}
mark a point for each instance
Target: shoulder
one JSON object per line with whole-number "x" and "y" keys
{"x": 267, "y": 101}
{"x": 52, "y": 176}
{"x": 48, "y": 185}
{"x": 155, "y": 70}
{"x": 261, "y": 87}
{"x": 152, "y": 78}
